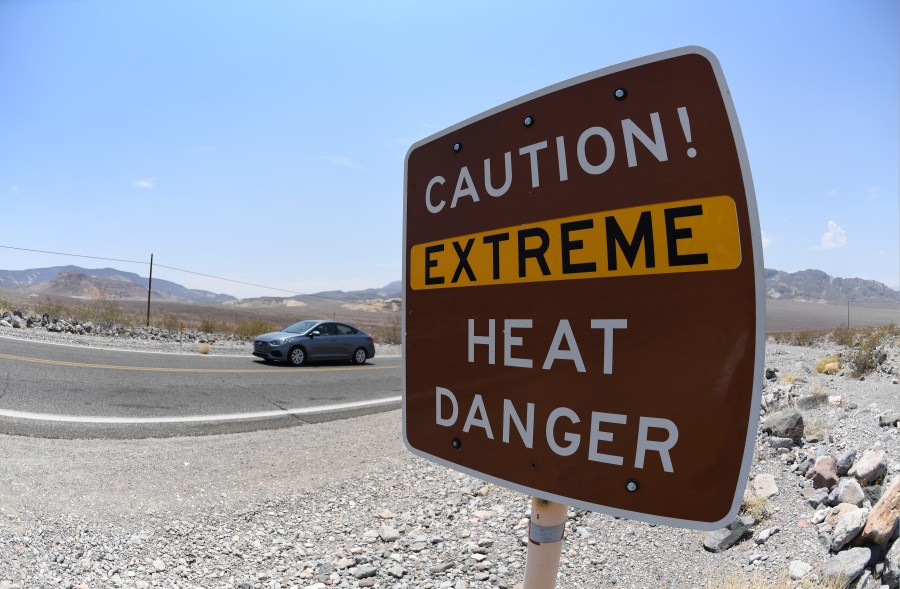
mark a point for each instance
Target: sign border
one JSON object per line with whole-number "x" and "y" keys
{"x": 755, "y": 236}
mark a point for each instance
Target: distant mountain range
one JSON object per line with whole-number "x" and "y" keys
{"x": 112, "y": 284}
{"x": 816, "y": 286}
{"x": 101, "y": 283}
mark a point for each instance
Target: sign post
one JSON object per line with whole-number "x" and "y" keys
{"x": 546, "y": 530}
{"x": 583, "y": 301}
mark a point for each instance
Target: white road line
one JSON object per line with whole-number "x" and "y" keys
{"x": 197, "y": 418}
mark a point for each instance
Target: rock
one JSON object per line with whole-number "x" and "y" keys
{"x": 388, "y": 534}
{"x": 725, "y": 538}
{"x": 785, "y": 424}
{"x": 846, "y": 566}
{"x": 849, "y": 491}
{"x": 884, "y": 518}
{"x": 848, "y": 528}
{"x": 817, "y": 497}
{"x": 19, "y": 323}
{"x": 873, "y": 492}
{"x": 159, "y": 565}
{"x": 824, "y": 472}
{"x": 764, "y": 486}
{"x": 845, "y": 461}
{"x": 364, "y": 571}
{"x": 777, "y": 443}
{"x": 870, "y": 467}
{"x": 804, "y": 466}
{"x": 819, "y": 516}
{"x": 798, "y": 569}
{"x": 891, "y": 574}
{"x": 838, "y": 512}
{"x": 5, "y": 323}
{"x": 889, "y": 419}
{"x": 771, "y": 374}
{"x": 811, "y": 401}
{"x": 766, "y": 534}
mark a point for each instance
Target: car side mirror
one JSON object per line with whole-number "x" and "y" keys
{"x": 314, "y": 334}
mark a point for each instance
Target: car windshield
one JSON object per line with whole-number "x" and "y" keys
{"x": 301, "y": 327}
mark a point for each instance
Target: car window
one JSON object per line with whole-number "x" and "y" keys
{"x": 345, "y": 329}
{"x": 301, "y": 327}
{"x": 326, "y": 329}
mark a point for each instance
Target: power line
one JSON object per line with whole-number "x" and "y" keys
{"x": 23, "y": 249}
{"x": 171, "y": 268}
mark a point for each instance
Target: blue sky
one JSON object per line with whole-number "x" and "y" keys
{"x": 265, "y": 141}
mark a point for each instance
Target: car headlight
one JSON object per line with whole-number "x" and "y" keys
{"x": 279, "y": 342}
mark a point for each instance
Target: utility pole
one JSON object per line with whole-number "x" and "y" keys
{"x": 149, "y": 288}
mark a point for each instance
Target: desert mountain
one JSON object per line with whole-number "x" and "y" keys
{"x": 816, "y": 286}
{"x": 100, "y": 283}
{"x": 112, "y": 284}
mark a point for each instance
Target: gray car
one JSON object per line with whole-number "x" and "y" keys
{"x": 315, "y": 340}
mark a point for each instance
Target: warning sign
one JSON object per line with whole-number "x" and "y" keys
{"x": 583, "y": 318}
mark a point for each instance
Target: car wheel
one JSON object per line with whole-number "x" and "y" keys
{"x": 297, "y": 356}
{"x": 359, "y": 356}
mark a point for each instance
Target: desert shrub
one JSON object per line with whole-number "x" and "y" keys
{"x": 843, "y": 336}
{"x": 55, "y": 310}
{"x": 798, "y": 338}
{"x": 212, "y": 326}
{"x": 829, "y": 365}
{"x": 759, "y": 508}
{"x": 863, "y": 358}
{"x": 814, "y": 428}
{"x": 255, "y": 327}
{"x": 760, "y": 582}
{"x": 106, "y": 314}
{"x": 171, "y": 322}
{"x": 394, "y": 329}
{"x": 204, "y": 348}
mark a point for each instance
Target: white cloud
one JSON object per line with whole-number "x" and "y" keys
{"x": 344, "y": 162}
{"x": 144, "y": 183}
{"x": 834, "y": 238}
{"x": 767, "y": 240}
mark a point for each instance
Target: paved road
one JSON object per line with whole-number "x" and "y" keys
{"x": 66, "y": 391}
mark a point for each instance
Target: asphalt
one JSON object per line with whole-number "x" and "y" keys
{"x": 75, "y": 392}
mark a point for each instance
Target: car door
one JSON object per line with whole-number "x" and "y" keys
{"x": 347, "y": 340}
{"x": 325, "y": 344}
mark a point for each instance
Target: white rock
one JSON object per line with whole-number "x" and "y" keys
{"x": 798, "y": 569}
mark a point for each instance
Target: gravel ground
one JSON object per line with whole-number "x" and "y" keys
{"x": 343, "y": 504}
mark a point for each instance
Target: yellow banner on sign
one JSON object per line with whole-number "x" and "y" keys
{"x": 696, "y": 235}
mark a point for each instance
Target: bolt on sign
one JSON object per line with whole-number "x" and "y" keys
{"x": 583, "y": 309}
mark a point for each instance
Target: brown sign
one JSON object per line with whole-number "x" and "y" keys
{"x": 583, "y": 305}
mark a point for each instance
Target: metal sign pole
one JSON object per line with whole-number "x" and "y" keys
{"x": 545, "y": 541}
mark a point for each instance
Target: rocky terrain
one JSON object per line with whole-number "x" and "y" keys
{"x": 343, "y": 504}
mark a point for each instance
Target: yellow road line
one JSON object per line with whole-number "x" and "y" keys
{"x": 201, "y": 370}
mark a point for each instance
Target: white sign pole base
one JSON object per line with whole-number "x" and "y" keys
{"x": 545, "y": 541}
